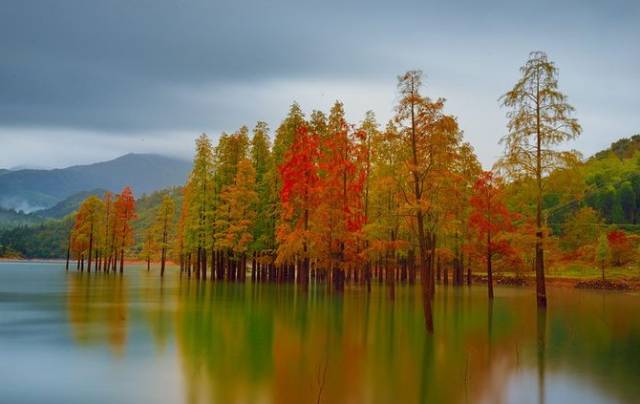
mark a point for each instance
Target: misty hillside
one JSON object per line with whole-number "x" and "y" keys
{"x": 69, "y": 204}
{"x": 31, "y": 190}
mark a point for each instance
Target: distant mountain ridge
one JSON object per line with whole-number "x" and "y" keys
{"x": 32, "y": 190}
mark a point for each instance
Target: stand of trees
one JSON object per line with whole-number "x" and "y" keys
{"x": 336, "y": 202}
{"x": 102, "y": 232}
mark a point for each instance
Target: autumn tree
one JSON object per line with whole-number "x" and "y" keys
{"x": 299, "y": 198}
{"x": 163, "y": 228}
{"x": 340, "y": 215}
{"x": 369, "y": 131}
{"x": 489, "y": 219}
{"x": 236, "y": 216}
{"x": 231, "y": 150}
{"x": 430, "y": 137}
{"x": 109, "y": 245}
{"x": 148, "y": 247}
{"x": 124, "y": 210}
{"x": 385, "y": 219}
{"x": 620, "y": 247}
{"x": 540, "y": 118}
{"x": 88, "y": 227}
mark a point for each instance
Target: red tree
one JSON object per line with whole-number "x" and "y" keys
{"x": 620, "y": 246}
{"x": 299, "y": 198}
{"x": 343, "y": 174}
{"x": 125, "y": 206}
{"x": 489, "y": 219}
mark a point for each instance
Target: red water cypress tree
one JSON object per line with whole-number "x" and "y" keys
{"x": 489, "y": 219}
{"x": 125, "y": 206}
{"x": 298, "y": 198}
{"x": 341, "y": 211}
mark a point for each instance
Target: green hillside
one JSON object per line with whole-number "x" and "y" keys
{"x": 608, "y": 182}
{"x": 47, "y": 238}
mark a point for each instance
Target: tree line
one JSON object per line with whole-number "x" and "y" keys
{"x": 332, "y": 201}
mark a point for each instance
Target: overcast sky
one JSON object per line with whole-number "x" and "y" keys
{"x": 82, "y": 81}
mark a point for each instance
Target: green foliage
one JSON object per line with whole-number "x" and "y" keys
{"x": 46, "y": 240}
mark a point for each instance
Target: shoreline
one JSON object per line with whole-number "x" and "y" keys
{"x": 593, "y": 283}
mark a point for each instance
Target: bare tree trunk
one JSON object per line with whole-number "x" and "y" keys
{"x": 90, "y": 248}
{"x": 66, "y": 267}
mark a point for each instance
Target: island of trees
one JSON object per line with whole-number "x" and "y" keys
{"x": 329, "y": 201}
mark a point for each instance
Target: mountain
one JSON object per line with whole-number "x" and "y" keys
{"x": 69, "y": 204}
{"x": 623, "y": 149}
{"x": 32, "y": 190}
{"x": 10, "y": 218}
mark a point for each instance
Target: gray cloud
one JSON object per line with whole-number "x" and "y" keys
{"x": 147, "y": 69}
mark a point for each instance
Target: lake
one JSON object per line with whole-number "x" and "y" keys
{"x": 102, "y": 338}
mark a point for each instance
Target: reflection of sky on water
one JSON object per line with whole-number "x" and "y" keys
{"x": 522, "y": 388}
{"x": 79, "y": 338}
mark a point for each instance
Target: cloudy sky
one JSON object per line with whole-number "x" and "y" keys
{"x": 82, "y": 81}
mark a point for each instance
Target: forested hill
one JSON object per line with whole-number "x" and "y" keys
{"x": 30, "y": 190}
{"x": 608, "y": 182}
{"x": 624, "y": 148}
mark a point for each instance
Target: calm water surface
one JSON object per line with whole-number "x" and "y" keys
{"x": 96, "y": 338}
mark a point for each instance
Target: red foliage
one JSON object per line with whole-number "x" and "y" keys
{"x": 299, "y": 173}
{"x": 342, "y": 182}
{"x": 490, "y": 217}
{"x": 621, "y": 247}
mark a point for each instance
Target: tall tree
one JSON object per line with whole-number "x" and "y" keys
{"x": 89, "y": 223}
{"x": 540, "y": 118}
{"x": 489, "y": 219}
{"x": 341, "y": 215}
{"x": 262, "y": 160}
{"x": 236, "y": 216}
{"x": 198, "y": 221}
{"x": 299, "y": 198}
{"x": 125, "y": 205}
{"x": 430, "y": 137}
{"x": 163, "y": 228}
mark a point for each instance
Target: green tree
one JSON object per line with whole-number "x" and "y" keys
{"x": 199, "y": 216}
{"x": 262, "y": 159}
{"x": 163, "y": 228}
{"x": 581, "y": 229}
{"x": 627, "y": 198}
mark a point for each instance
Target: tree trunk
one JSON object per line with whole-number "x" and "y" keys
{"x": 90, "y": 248}
{"x": 66, "y": 267}
{"x": 541, "y": 293}
{"x": 163, "y": 259}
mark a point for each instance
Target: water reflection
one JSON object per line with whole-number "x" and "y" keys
{"x": 267, "y": 343}
{"x": 97, "y": 308}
